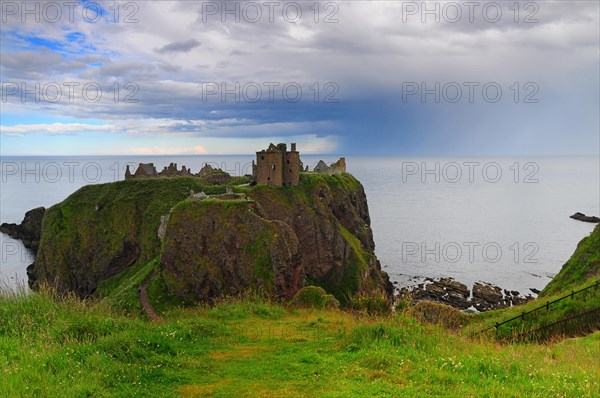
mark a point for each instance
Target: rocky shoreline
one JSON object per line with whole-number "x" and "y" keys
{"x": 482, "y": 296}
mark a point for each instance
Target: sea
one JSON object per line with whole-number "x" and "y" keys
{"x": 503, "y": 221}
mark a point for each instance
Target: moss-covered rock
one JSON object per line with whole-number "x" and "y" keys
{"x": 280, "y": 239}
{"x": 29, "y": 230}
{"x": 330, "y": 217}
{"x": 101, "y": 230}
{"x": 314, "y": 297}
{"x": 215, "y": 248}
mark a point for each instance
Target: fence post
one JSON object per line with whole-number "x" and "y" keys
{"x": 547, "y": 306}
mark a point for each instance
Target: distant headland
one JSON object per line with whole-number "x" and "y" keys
{"x": 277, "y": 230}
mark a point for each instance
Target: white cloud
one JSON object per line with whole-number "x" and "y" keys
{"x": 195, "y": 150}
{"x": 369, "y": 52}
{"x": 55, "y": 128}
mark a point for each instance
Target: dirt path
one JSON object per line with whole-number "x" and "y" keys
{"x": 144, "y": 298}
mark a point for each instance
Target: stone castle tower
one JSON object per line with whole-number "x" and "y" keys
{"x": 277, "y": 166}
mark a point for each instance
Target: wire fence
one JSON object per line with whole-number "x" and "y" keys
{"x": 547, "y": 307}
{"x": 581, "y": 323}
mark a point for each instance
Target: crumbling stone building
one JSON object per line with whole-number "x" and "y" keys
{"x": 277, "y": 166}
{"x": 338, "y": 167}
{"x": 144, "y": 170}
{"x": 148, "y": 170}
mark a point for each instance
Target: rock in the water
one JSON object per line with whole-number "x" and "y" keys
{"x": 487, "y": 297}
{"x": 446, "y": 290}
{"x": 30, "y": 229}
{"x": 582, "y": 217}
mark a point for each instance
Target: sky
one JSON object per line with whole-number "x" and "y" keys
{"x": 353, "y": 77}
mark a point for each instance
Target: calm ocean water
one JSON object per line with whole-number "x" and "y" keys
{"x": 504, "y": 221}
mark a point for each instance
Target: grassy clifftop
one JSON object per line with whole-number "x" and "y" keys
{"x": 101, "y": 230}
{"x": 104, "y": 238}
{"x": 580, "y": 271}
{"x": 582, "y": 267}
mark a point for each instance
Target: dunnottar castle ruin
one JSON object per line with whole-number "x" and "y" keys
{"x": 274, "y": 166}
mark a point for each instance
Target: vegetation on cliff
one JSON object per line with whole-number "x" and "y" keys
{"x": 102, "y": 230}
{"x": 583, "y": 266}
{"x": 54, "y": 343}
{"x": 103, "y": 239}
{"x": 215, "y": 248}
{"x": 582, "y": 270}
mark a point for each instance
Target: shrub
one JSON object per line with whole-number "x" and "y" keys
{"x": 374, "y": 303}
{"x": 404, "y": 302}
{"x": 438, "y": 314}
{"x": 314, "y": 297}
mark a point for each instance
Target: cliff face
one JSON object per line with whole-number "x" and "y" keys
{"x": 29, "y": 230}
{"x": 330, "y": 217}
{"x": 101, "y": 230}
{"x": 214, "y": 248}
{"x": 315, "y": 233}
{"x": 277, "y": 241}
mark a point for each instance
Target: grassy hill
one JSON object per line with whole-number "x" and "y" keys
{"x": 582, "y": 267}
{"x": 102, "y": 230}
{"x": 102, "y": 240}
{"x": 60, "y": 346}
{"x": 580, "y": 271}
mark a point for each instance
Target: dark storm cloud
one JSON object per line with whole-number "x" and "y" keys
{"x": 369, "y": 54}
{"x": 179, "y": 46}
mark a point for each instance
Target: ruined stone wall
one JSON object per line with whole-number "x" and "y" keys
{"x": 291, "y": 175}
{"x": 338, "y": 167}
{"x": 269, "y": 166}
{"x": 145, "y": 170}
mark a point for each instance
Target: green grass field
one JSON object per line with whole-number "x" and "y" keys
{"x": 55, "y": 345}
{"x": 60, "y": 346}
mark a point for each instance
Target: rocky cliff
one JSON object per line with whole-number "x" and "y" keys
{"x": 214, "y": 248}
{"x": 29, "y": 230}
{"x": 330, "y": 217}
{"x": 277, "y": 241}
{"x": 101, "y": 230}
